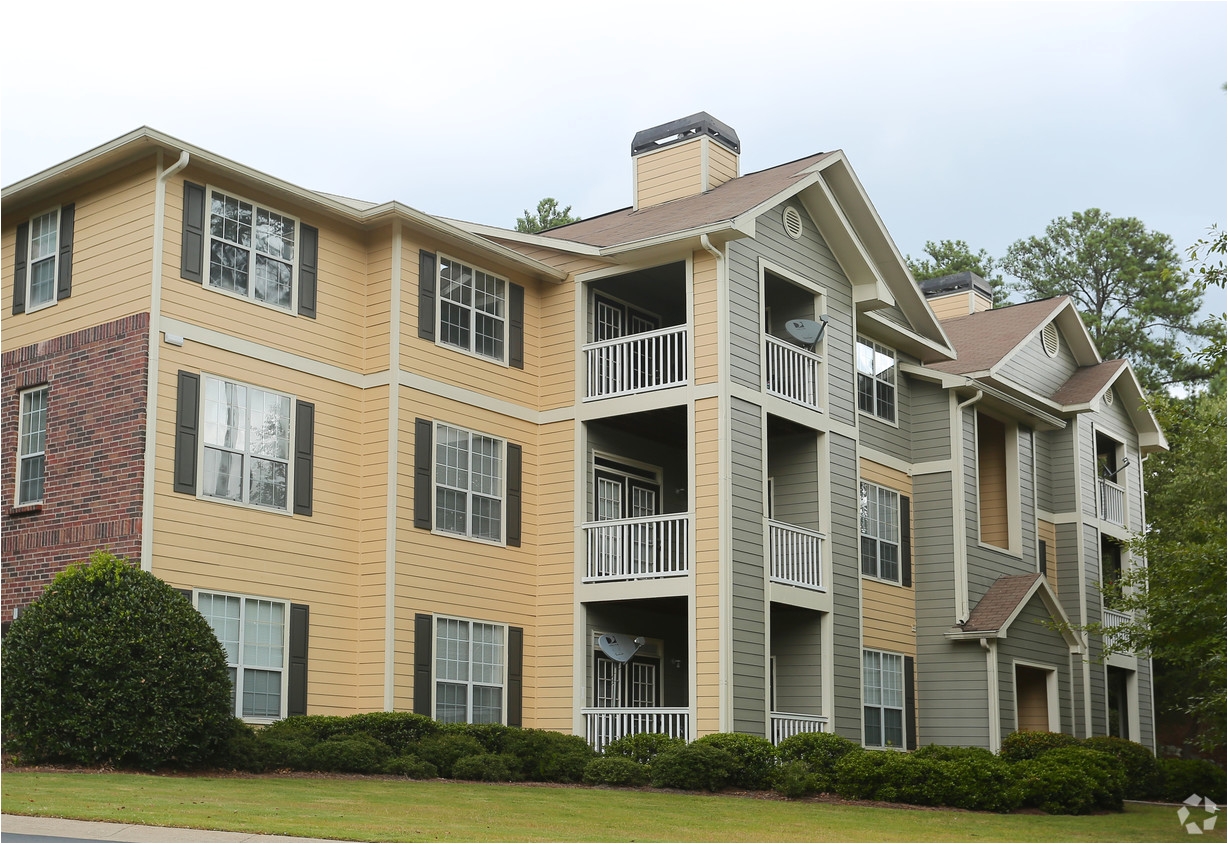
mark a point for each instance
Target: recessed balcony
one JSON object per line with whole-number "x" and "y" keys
{"x": 637, "y": 548}
{"x": 638, "y": 363}
{"x": 793, "y": 373}
{"x": 796, "y": 555}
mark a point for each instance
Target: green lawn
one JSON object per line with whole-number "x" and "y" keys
{"x": 375, "y": 809}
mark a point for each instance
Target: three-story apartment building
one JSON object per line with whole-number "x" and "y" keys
{"x": 713, "y": 462}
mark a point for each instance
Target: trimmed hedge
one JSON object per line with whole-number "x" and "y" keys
{"x": 643, "y": 747}
{"x": 694, "y": 767}
{"x": 819, "y": 753}
{"x": 1183, "y": 777}
{"x": 412, "y": 767}
{"x": 616, "y": 770}
{"x": 487, "y": 767}
{"x": 1143, "y": 776}
{"x": 351, "y": 754}
{"x": 754, "y": 757}
{"x": 1030, "y": 744}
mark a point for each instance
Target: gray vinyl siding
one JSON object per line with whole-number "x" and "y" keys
{"x": 846, "y": 585}
{"x": 749, "y": 586}
{"x": 1095, "y": 653}
{"x": 793, "y": 468}
{"x": 745, "y": 323}
{"x": 1027, "y": 499}
{"x": 797, "y": 648}
{"x": 1031, "y": 638}
{"x": 930, "y": 412}
{"x": 1044, "y": 471}
{"x": 1146, "y": 728}
{"x": 1063, "y": 472}
{"x": 1069, "y": 578}
{"x": 1115, "y": 422}
{"x": 1086, "y": 461}
{"x": 883, "y": 436}
{"x": 1035, "y": 371}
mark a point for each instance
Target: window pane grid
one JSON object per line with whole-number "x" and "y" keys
{"x": 469, "y": 660}
{"x": 32, "y": 446}
{"x": 882, "y": 677}
{"x": 44, "y": 240}
{"x": 252, "y": 631}
{"x": 246, "y": 444}
{"x": 875, "y": 379}
{"x": 251, "y": 250}
{"x": 880, "y": 532}
{"x": 473, "y": 309}
{"x": 468, "y": 483}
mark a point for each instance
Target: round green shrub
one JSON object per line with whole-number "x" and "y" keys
{"x": 401, "y": 731}
{"x": 445, "y": 749}
{"x": 282, "y": 753}
{"x": 491, "y": 736}
{"x": 1108, "y": 774}
{"x": 1029, "y": 744}
{"x": 973, "y": 779}
{"x": 1184, "y": 777}
{"x": 643, "y": 747}
{"x": 755, "y": 758}
{"x": 615, "y": 770}
{"x": 486, "y": 767}
{"x": 548, "y": 756}
{"x": 949, "y": 753}
{"x": 113, "y": 666}
{"x": 1143, "y": 776}
{"x": 695, "y": 767}
{"x": 410, "y": 766}
{"x": 794, "y": 780}
{"x": 819, "y": 752}
{"x": 353, "y": 754}
{"x": 869, "y": 775}
{"x": 1054, "y": 786}
{"x": 308, "y": 729}
{"x": 243, "y": 750}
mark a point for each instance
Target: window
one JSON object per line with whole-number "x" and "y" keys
{"x": 42, "y": 261}
{"x": 472, "y": 309}
{"x": 880, "y": 532}
{"x": 875, "y": 379}
{"x": 251, "y": 250}
{"x": 882, "y": 677}
{"x": 255, "y": 635}
{"x": 246, "y": 444}
{"x": 468, "y": 483}
{"x": 469, "y": 671}
{"x": 32, "y": 446}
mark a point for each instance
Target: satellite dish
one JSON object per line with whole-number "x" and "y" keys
{"x": 619, "y": 646}
{"x": 807, "y": 331}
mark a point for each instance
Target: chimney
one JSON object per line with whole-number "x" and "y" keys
{"x": 683, "y": 158}
{"x": 958, "y": 295}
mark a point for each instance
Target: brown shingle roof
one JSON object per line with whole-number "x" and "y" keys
{"x": 722, "y": 203}
{"x": 999, "y": 603}
{"x": 1087, "y": 382}
{"x": 981, "y": 340}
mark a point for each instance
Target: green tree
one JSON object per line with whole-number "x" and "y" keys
{"x": 548, "y": 216}
{"x": 1209, "y": 253}
{"x": 1127, "y": 283}
{"x": 947, "y": 257}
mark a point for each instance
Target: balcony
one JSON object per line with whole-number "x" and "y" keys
{"x": 602, "y": 725}
{"x": 636, "y": 548}
{"x": 785, "y": 724}
{"x": 1111, "y": 619}
{"x": 651, "y": 360}
{"x": 793, "y": 373}
{"x": 1112, "y": 502}
{"x": 796, "y": 555}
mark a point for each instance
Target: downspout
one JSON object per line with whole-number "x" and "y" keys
{"x": 725, "y": 510}
{"x": 962, "y": 610}
{"x": 154, "y": 359}
{"x": 994, "y": 705}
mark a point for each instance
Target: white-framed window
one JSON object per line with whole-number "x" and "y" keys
{"x": 470, "y": 671}
{"x": 252, "y": 250}
{"x": 468, "y": 483}
{"x": 43, "y": 260}
{"x": 880, "y": 532}
{"x": 32, "y": 445}
{"x": 875, "y": 379}
{"x": 882, "y": 680}
{"x": 247, "y": 444}
{"x": 472, "y": 310}
{"x": 255, "y": 633}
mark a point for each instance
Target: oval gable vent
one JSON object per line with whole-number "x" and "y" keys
{"x": 793, "y": 222}
{"x": 1049, "y": 337}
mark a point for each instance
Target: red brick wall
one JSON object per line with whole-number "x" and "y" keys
{"x": 95, "y": 453}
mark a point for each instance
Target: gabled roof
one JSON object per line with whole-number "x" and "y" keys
{"x": 1088, "y": 383}
{"x": 1005, "y": 599}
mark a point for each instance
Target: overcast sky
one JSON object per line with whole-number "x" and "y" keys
{"x": 974, "y": 121}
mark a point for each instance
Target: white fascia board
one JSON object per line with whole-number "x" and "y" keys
{"x": 944, "y": 379}
{"x": 869, "y": 288}
{"x": 1150, "y": 434}
{"x": 720, "y": 233}
{"x": 561, "y": 244}
{"x": 906, "y": 338}
{"x": 1025, "y": 407}
{"x": 1054, "y": 607}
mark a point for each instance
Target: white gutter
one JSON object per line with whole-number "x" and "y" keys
{"x": 991, "y": 680}
{"x": 391, "y": 466}
{"x": 962, "y": 610}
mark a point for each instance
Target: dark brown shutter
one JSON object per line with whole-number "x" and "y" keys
{"x": 905, "y": 541}
{"x": 1044, "y": 557}
{"x": 296, "y": 697}
{"x": 515, "y": 676}
{"x": 308, "y": 261}
{"x": 20, "y": 254}
{"x": 187, "y": 415}
{"x": 422, "y": 474}
{"x": 63, "y": 282}
{"x": 423, "y": 634}
{"x": 192, "y": 251}
{"x": 304, "y": 451}
{"x": 426, "y": 295}
{"x": 910, "y": 704}
{"x": 514, "y": 460}
{"x": 515, "y": 343}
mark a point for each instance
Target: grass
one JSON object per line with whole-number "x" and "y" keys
{"x": 382, "y": 809}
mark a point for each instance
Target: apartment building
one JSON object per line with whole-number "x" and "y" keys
{"x": 712, "y": 462}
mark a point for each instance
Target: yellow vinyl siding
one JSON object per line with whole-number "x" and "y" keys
{"x": 877, "y": 473}
{"x": 708, "y": 633}
{"x": 337, "y": 334}
{"x": 1046, "y": 532}
{"x": 707, "y": 342}
{"x": 371, "y": 558}
{"x": 722, "y": 164}
{"x": 670, "y": 173}
{"x": 111, "y": 257}
{"x": 991, "y": 481}
{"x": 377, "y": 290}
{"x": 888, "y": 617}
{"x": 952, "y": 306}
{"x": 207, "y": 544}
{"x": 557, "y": 354}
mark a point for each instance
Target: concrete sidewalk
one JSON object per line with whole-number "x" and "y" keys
{"x": 58, "y": 828}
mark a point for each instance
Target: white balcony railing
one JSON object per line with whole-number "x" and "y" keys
{"x": 1111, "y": 619}
{"x": 785, "y": 724}
{"x": 796, "y": 555}
{"x": 793, "y": 373}
{"x": 651, "y": 360}
{"x": 602, "y": 726}
{"x": 1112, "y": 502}
{"x": 627, "y": 549}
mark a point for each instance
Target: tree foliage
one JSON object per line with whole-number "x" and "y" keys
{"x": 947, "y": 257}
{"x": 1127, "y": 283}
{"x": 547, "y": 216}
{"x": 113, "y": 666}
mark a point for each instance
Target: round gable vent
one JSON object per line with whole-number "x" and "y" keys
{"x": 1049, "y": 338}
{"x": 793, "y": 222}
{"x": 1108, "y": 398}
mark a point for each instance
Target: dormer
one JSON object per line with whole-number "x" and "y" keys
{"x": 958, "y": 295}
{"x": 682, "y": 158}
